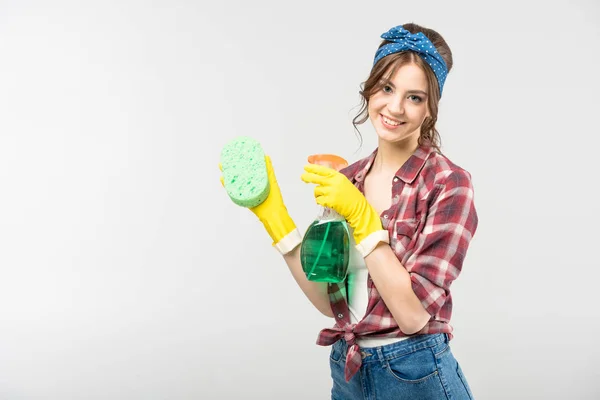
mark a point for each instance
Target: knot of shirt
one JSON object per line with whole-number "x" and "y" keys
{"x": 353, "y": 356}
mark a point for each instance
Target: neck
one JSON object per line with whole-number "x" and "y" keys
{"x": 391, "y": 156}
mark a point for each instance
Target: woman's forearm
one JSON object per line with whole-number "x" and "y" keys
{"x": 393, "y": 283}
{"x": 315, "y": 291}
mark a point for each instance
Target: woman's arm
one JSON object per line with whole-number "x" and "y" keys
{"x": 392, "y": 281}
{"x": 436, "y": 258}
{"x": 274, "y": 216}
{"x": 315, "y": 291}
{"x": 416, "y": 291}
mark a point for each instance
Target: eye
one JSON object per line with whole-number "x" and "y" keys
{"x": 415, "y": 98}
{"x": 387, "y": 89}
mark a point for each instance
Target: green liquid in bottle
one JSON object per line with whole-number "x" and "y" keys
{"x": 325, "y": 251}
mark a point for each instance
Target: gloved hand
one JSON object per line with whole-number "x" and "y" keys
{"x": 274, "y": 215}
{"x": 335, "y": 191}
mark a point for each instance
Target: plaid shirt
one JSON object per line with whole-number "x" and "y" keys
{"x": 431, "y": 221}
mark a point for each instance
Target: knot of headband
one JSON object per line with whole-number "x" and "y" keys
{"x": 403, "y": 40}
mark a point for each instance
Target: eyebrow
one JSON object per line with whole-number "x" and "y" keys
{"x": 389, "y": 83}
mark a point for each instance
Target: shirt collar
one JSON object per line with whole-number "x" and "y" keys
{"x": 407, "y": 172}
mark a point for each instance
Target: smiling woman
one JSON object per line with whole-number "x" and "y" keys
{"x": 411, "y": 215}
{"x": 397, "y": 110}
{"x": 394, "y": 310}
{"x": 426, "y": 86}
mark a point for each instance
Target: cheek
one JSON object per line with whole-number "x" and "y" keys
{"x": 372, "y": 112}
{"x": 371, "y": 109}
{"x": 374, "y": 106}
{"x": 418, "y": 113}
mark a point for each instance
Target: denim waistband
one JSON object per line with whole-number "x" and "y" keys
{"x": 394, "y": 350}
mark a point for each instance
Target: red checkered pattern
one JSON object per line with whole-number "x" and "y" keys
{"x": 431, "y": 222}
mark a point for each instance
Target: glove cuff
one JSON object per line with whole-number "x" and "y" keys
{"x": 368, "y": 244}
{"x": 289, "y": 242}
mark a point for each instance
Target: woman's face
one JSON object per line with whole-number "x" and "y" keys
{"x": 398, "y": 109}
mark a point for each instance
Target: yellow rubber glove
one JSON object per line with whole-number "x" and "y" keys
{"x": 335, "y": 191}
{"x": 274, "y": 215}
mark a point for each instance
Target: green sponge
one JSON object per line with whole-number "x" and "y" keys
{"x": 245, "y": 171}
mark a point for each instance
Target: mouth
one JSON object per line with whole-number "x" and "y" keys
{"x": 390, "y": 123}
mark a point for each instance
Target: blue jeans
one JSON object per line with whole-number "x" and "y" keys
{"x": 421, "y": 367}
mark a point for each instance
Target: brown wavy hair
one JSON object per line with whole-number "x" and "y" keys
{"x": 387, "y": 67}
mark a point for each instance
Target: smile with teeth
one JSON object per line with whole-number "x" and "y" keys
{"x": 390, "y": 121}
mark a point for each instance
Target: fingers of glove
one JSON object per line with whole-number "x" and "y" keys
{"x": 319, "y": 170}
{"x": 309, "y": 177}
{"x": 321, "y": 191}
{"x": 270, "y": 170}
{"x": 324, "y": 201}
{"x": 271, "y": 176}
{"x": 221, "y": 177}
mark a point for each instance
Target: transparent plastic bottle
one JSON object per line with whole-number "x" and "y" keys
{"x": 325, "y": 248}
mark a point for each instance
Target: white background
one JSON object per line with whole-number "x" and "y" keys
{"x": 126, "y": 272}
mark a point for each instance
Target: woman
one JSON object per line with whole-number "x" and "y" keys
{"x": 412, "y": 216}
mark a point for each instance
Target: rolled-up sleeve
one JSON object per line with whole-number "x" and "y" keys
{"x": 441, "y": 246}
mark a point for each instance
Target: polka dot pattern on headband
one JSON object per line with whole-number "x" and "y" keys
{"x": 403, "y": 40}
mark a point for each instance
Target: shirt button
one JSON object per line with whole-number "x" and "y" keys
{"x": 395, "y": 179}
{"x": 340, "y": 315}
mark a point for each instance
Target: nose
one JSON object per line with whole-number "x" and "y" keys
{"x": 396, "y": 106}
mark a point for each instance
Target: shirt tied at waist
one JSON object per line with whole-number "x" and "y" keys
{"x": 329, "y": 336}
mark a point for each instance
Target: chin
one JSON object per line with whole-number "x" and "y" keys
{"x": 398, "y": 138}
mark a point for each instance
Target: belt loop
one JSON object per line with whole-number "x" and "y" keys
{"x": 380, "y": 354}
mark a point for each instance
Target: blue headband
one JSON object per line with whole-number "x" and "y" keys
{"x": 403, "y": 40}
